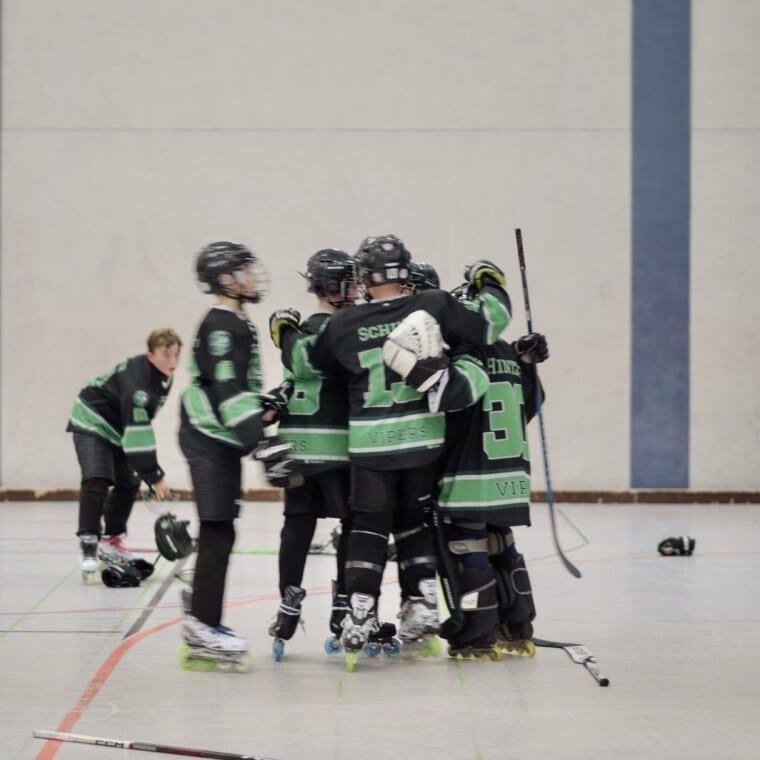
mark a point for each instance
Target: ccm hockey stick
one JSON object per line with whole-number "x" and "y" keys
{"x": 142, "y": 746}
{"x": 569, "y": 566}
{"x": 578, "y": 654}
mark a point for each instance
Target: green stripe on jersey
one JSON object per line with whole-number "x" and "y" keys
{"x": 302, "y": 368}
{"x": 316, "y": 444}
{"x": 496, "y": 315}
{"x": 238, "y": 408}
{"x": 138, "y": 439}
{"x": 476, "y": 376}
{"x": 90, "y": 421}
{"x": 203, "y": 419}
{"x": 484, "y": 490}
{"x": 392, "y": 435}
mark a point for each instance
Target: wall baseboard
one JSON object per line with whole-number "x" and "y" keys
{"x": 665, "y": 496}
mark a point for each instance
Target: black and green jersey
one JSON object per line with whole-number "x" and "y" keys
{"x": 390, "y": 425}
{"x": 119, "y": 406}
{"x": 317, "y": 419}
{"x": 485, "y": 470}
{"x": 222, "y": 401}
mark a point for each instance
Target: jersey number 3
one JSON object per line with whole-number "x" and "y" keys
{"x": 503, "y": 403}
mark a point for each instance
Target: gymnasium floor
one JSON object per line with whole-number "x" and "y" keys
{"x": 678, "y": 638}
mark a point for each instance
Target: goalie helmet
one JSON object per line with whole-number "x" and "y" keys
{"x": 422, "y": 276}
{"x": 381, "y": 260}
{"x": 226, "y": 257}
{"x": 172, "y": 537}
{"x": 330, "y": 274}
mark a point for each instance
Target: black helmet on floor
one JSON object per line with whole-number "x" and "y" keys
{"x": 121, "y": 575}
{"x": 230, "y": 258}
{"x": 381, "y": 260}
{"x": 422, "y": 276}
{"x": 330, "y": 274}
{"x": 172, "y": 537}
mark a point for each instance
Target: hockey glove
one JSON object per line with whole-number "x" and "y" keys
{"x": 427, "y": 373}
{"x": 277, "y": 399}
{"x": 484, "y": 272}
{"x": 285, "y": 319}
{"x": 279, "y": 468}
{"x": 682, "y": 546}
{"x": 532, "y": 348}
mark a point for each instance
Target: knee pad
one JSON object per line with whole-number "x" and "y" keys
{"x": 95, "y": 488}
{"x": 366, "y": 551}
{"x": 516, "y": 607}
{"x": 123, "y": 497}
{"x": 216, "y": 539}
{"x": 415, "y": 550}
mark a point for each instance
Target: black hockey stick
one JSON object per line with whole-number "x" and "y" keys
{"x": 142, "y": 746}
{"x": 570, "y": 567}
{"x": 579, "y": 654}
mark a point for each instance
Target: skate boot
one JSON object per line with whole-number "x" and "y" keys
{"x": 480, "y": 648}
{"x": 358, "y": 625}
{"x": 288, "y": 617}
{"x": 420, "y": 622}
{"x": 340, "y": 608}
{"x": 88, "y": 562}
{"x": 515, "y": 638}
{"x": 209, "y": 648}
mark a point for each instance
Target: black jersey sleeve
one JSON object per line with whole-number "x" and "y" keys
{"x": 224, "y": 357}
{"x": 308, "y": 353}
{"x": 465, "y": 383}
{"x": 139, "y": 403}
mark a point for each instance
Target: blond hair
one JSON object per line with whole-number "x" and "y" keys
{"x": 163, "y": 337}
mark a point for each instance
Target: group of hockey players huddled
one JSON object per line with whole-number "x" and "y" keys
{"x": 403, "y": 412}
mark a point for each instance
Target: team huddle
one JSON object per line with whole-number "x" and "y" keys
{"x": 403, "y": 412}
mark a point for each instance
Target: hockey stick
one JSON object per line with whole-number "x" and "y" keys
{"x": 142, "y": 746}
{"x": 569, "y": 566}
{"x": 579, "y": 654}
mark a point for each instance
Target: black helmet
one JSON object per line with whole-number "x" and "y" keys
{"x": 329, "y": 274}
{"x": 422, "y": 276}
{"x": 381, "y": 260}
{"x": 462, "y": 292}
{"x": 172, "y": 537}
{"x": 120, "y": 575}
{"x": 227, "y": 257}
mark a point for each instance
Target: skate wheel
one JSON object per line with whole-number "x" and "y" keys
{"x": 189, "y": 662}
{"x": 350, "y": 661}
{"x": 278, "y": 649}
{"x": 225, "y": 666}
{"x": 244, "y": 665}
{"x": 530, "y": 649}
{"x": 495, "y": 654}
{"x": 373, "y": 649}
{"x": 432, "y": 647}
{"x": 392, "y": 648}
{"x": 333, "y": 646}
{"x": 88, "y": 578}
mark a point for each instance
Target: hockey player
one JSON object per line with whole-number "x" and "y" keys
{"x": 484, "y": 491}
{"x": 394, "y": 440}
{"x": 422, "y": 276}
{"x": 224, "y": 413}
{"x": 116, "y": 447}
{"x": 316, "y": 424}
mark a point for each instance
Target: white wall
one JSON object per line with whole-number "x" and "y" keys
{"x": 136, "y": 131}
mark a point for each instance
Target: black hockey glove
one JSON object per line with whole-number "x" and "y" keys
{"x": 277, "y": 399}
{"x": 427, "y": 373}
{"x": 280, "y": 470}
{"x": 484, "y": 272}
{"x": 532, "y": 348}
{"x": 682, "y": 546}
{"x": 284, "y": 319}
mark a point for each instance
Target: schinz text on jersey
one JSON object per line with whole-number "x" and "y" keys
{"x": 376, "y": 331}
{"x": 503, "y": 367}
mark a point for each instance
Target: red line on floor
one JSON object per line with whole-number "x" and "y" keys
{"x": 51, "y": 747}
